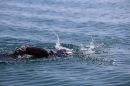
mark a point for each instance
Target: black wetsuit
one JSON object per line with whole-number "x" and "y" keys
{"x": 38, "y": 52}
{"x": 34, "y": 51}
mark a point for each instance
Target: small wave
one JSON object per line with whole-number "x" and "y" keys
{"x": 98, "y": 60}
{"x": 3, "y": 62}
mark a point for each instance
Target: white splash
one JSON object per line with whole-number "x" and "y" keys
{"x": 92, "y": 46}
{"x": 85, "y": 50}
{"x": 58, "y": 45}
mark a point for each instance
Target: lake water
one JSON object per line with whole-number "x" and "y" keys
{"x": 98, "y": 31}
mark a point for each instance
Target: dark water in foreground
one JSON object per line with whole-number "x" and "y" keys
{"x": 106, "y": 23}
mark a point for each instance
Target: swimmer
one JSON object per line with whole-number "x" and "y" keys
{"x": 37, "y": 52}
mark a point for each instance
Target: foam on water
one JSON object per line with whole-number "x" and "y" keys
{"x": 88, "y": 49}
{"x": 88, "y": 52}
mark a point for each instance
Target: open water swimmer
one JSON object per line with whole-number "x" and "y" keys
{"x": 37, "y": 52}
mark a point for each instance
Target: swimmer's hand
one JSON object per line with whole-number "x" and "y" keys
{"x": 20, "y": 51}
{"x": 22, "y": 48}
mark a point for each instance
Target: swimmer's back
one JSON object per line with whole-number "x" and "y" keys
{"x": 38, "y": 52}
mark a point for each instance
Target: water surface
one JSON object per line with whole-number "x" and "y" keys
{"x": 105, "y": 23}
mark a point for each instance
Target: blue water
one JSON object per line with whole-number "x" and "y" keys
{"x": 105, "y": 23}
